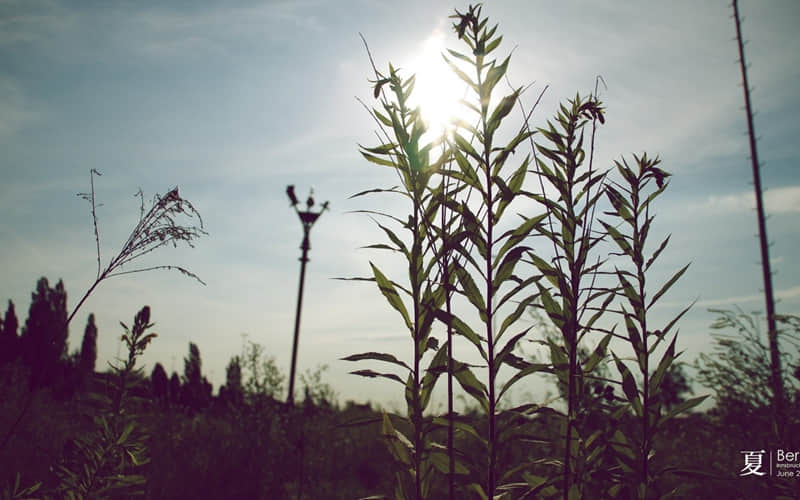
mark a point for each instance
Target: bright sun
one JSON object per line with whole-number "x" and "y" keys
{"x": 437, "y": 90}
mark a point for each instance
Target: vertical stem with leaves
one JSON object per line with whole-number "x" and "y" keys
{"x": 403, "y": 152}
{"x": 631, "y": 201}
{"x": 488, "y": 256}
{"x": 571, "y": 272}
{"x": 106, "y": 462}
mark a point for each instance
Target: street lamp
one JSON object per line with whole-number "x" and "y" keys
{"x": 307, "y": 218}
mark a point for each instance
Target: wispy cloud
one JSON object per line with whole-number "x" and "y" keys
{"x": 217, "y": 30}
{"x": 778, "y": 201}
{"x": 28, "y": 21}
{"x": 784, "y": 294}
{"x": 16, "y": 109}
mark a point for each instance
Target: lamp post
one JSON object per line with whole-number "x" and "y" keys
{"x": 307, "y": 218}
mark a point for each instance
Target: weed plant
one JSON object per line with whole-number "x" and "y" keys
{"x": 403, "y": 128}
{"x": 108, "y": 461}
{"x": 490, "y": 262}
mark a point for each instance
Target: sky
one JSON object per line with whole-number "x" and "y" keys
{"x": 233, "y": 101}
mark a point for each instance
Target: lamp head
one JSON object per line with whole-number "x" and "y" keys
{"x": 292, "y": 196}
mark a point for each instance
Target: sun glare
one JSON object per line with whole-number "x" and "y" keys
{"x": 437, "y": 90}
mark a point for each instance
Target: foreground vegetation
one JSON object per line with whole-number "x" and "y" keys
{"x": 505, "y": 221}
{"x": 246, "y": 444}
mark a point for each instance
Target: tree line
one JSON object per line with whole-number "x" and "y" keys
{"x": 40, "y": 349}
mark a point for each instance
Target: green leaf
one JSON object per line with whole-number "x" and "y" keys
{"x": 463, "y": 76}
{"x": 532, "y": 368}
{"x": 657, "y": 253}
{"x": 663, "y": 366}
{"x": 518, "y": 234}
{"x": 461, "y": 328}
{"x": 462, "y": 427}
{"x": 620, "y": 204}
{"x": 507, "y": 349}
{"x": 628, "y": 385}
{"x": 378, "y": 356}
{"x": 620, "y": 239}
{"x": 633, "y": 335}
{"x": 551, "y": 307}
{"x": 400, "y": 245}
{"x": 478, "y": 489}
{"x": 470, "y": 289}
{"x": 125, "y": 433}
{"x": 493, "y": 76}
{"x": 630, "y": 293}
{"x": 437, "y": 366}
{"x": 470, "y": 383}
{"x": 574, "y": 492}
{"x": 597, "y": 355}
{"x": 500, "y": 112}
{"x": 383, "y": 149}
{"x": 458, "y": 55}
{"x": 373, "y": 374}
{"x": 667, "y": 285}
{"x": 377, "y": 160}
{"x": 663, "y": 333}
{"x": 506, "y": 268}
{"x": 547, "y": 270}
{"x": 512, "y": 318}
{"x": 686, "y": 405}
{"x": 390, "y": 292}
{"x": 399, "y": 446}
{"x": 558, "y": 357}
{"x": 442, "y": 462}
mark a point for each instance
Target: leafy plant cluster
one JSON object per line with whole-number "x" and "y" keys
{"x": 461, "y": 240}
{"x": 108, "y": 461}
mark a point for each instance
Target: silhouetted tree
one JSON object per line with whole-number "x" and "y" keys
{"x": 192, "y": 366}
{"x": 9, "y": 342}
{"x": 196, "y": 389}
{"x": 261, "y": 377}
{"x": 232, "y": 392}
{"x": 88, "y": 356}
{"x": 174, "y": 388}
{"x": 44, "y": 337}
{"x": 159, "y": 384}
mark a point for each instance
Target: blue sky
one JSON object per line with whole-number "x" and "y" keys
{"x": 233, "y": 101}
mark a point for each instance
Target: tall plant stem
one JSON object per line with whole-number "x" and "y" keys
{"x": 571, "y": 306}
{"x": 573, "y": 355}
{"x": 487, "y": 148}
{"x": 451, "y": 472}
{"x": 772, "y": 331}
{"x": 415, "y": 290}
{"x": 572, "y": 345}
{"x": 638, "y": 252}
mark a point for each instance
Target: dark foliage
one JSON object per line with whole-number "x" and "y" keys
{"x": 196, "y": 390}
{"x": 159, "y": 385}
{"x": 88, "y": 356}
{"x": 43, "y": 343}
{"x": 9, "y": 341}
